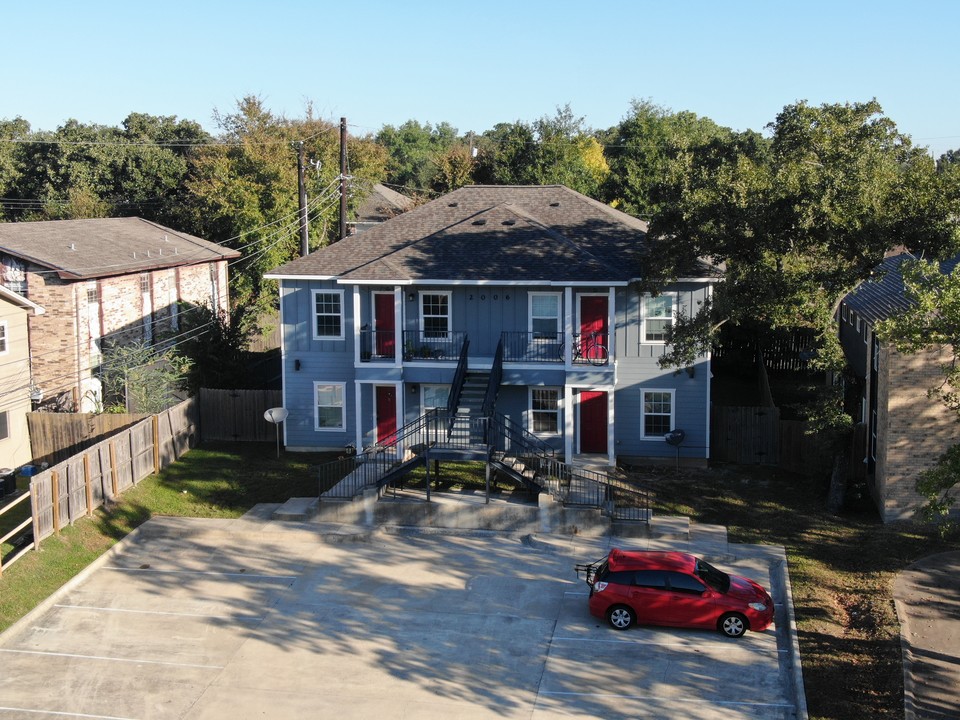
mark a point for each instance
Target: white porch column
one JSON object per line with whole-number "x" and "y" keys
{"x": 611, "y": 435}
{"x": 568, "y": 419}
{"x": 356, "y": 323}
{"x": 397, "y": 326}
{"x": 568, "y": 326}
{"x": 358, "y": 427}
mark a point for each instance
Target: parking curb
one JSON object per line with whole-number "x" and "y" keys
{"x": 799, "y": 693}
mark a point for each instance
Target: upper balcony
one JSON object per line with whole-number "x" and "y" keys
{"x": 518, "y": 347}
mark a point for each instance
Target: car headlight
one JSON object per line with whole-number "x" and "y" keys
{"x": 758, "y": 606}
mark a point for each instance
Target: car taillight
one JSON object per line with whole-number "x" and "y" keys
{"x": 599, "y": 586}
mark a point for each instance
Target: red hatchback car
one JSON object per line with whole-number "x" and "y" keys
{"x": 676, "y": 589}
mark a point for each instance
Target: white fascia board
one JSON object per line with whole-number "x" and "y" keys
{"x": 700, "y": 279}
{"x": 270, "y": 276}
{"x": 482, "y": 283}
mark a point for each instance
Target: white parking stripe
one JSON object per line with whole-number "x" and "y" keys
{"x": 110, "y": 659}
{"x": 248, "y": 618}
{"x": 202, "y": 572}
{"x": 61, "y": 714}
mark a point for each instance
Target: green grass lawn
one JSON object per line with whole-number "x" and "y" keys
{"x": 841, "y": 567}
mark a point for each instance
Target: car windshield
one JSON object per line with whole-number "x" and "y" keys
{"x": 717, "y": 579}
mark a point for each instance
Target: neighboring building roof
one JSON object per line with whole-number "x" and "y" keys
{"x": 19, "y": 300}
{"x": 884, "y": 296}
{"x": 382, "y": 204}
{"x": 86, "y": 249}
{"x": 489, "y": 233}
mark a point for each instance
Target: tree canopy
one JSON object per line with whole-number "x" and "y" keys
{"x": 798, "y": 219}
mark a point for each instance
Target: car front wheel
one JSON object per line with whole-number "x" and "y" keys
{"x": 620, "y": 617}
{"x": 733, "y": 625}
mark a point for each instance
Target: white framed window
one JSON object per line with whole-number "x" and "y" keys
{"x": 843, "y": 311}
{"x": 657, "y": 315}
{"x": 4, "y": 344}
{"x": 328, "y": 403}
{"x": 434, "y": 397}
{"x": 544, "y": 315}
{"x": 544, "y": 410}
{"x": 328, "y": 314}
{"x": 435, "y": 315}
{"x": 657, "y": 413}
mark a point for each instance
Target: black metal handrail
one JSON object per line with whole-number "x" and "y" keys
{"x": 420, "y": 345}
{"x": 493, "y": 384}
{"x": 377, "y": 344}
{"x": 459, "y": 377}
{"x": 532, "y": 347}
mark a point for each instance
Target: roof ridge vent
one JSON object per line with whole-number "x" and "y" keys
{"x": 453, "y": 204}
{"x": 481, "y": 221}
{"x": 509, "y": 222}
{"x": 73, "y": 246}
{"x": 555, "y": 204}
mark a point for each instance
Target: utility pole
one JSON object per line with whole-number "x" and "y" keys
{"x": 343, "y": 178}
{"x": 302, "y": 187}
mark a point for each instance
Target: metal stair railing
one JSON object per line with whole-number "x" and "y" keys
{"x": 349, "y": 475}
{"x": 459, "y": 377}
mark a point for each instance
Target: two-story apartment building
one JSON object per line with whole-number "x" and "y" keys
{"x": 104, "y": 281}
{"x": 531, "y": 289}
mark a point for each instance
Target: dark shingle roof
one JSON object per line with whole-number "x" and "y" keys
{"x": 382, "y": 204}
{"x": 490, "y": 233}
{"x": 84, "y": 249}
{"x": 883, "y": 296}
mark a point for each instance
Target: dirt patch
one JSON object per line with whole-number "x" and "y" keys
{"x": 860, "y": 614}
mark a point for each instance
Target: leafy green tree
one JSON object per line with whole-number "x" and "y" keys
{"x": 568, "y": 154}
{"x": 243, "y": 190}
{"x": 413, "y": 150}
{"x": 217, "y": 347}
{"x": 12, "y": 134}
{"x": 454, "y": 169}
{"x": 641, "y": 147}
{"x": 506, "y": 155}
{"x": 798, "y": 221}
{"x": 140, "y": 378}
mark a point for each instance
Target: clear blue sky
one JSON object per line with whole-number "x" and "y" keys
{"x": 474, "y": 64}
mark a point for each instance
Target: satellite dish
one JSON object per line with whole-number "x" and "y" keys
{"x": 276, "y": 415}
{"x": 675, "y": 437}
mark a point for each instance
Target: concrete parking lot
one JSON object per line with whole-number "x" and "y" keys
{"x": 254, "y": 619}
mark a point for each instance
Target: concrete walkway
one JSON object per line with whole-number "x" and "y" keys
{"x": 927, "y": 597}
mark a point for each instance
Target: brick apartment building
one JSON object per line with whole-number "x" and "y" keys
{"x": 103, "y": 283}
{"x": 907, "y": 430}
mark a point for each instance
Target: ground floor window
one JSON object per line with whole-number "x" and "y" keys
{"x": 657, "y": 413}
{"x": 545, "y": 411}
{"x": 329, "y": 405}
{"x": 435, "y": 396}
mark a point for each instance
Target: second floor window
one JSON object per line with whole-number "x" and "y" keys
{"x": 545, "y": 315}
{"x": 435, "y": 315}
{"x": 3, "y": 337}
{"x": 328, "y": 310}
{"x": 657, "y": 318}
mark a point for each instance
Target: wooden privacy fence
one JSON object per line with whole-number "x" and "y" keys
{"x": 56, "y": 436}
{"x": 757, "y": 436}
{"x": 237, "y": 414}
{"x": 74, "y": 488}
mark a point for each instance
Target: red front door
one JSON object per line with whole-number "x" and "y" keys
{"x": 384, "y": 324}
{"x": 593, "y": 324}
{"x": 386, "y": 415}
{"x": 593, "y": 422}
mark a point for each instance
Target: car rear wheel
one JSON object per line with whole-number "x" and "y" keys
{"x": 732, "y": 625}
{"x": 620, "y": 617}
